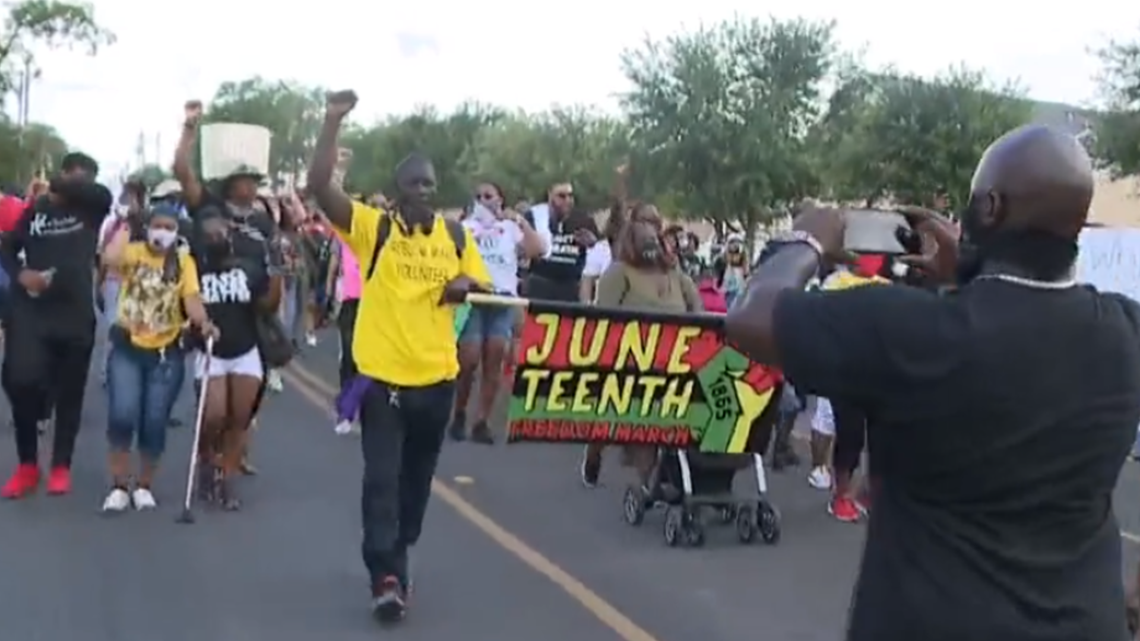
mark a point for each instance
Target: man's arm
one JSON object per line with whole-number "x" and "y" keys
{"x": 336, "y": 205}
{"x": 89, "y": 199}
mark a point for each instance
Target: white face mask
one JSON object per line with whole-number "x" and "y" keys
{"x": 161, "y": 238}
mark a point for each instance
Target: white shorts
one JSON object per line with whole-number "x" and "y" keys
{"x": 247, "y": 364}
{"x": 824, "y": 419}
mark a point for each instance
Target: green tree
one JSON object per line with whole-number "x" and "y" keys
{"x": 720, "y": 116}
{"x": 28, "y": 151}
{"x": 1117, "y": 143}
{"x": 908, "y": 138}
{"x": 37, "y": 24}
{"x": 290, "y": 111}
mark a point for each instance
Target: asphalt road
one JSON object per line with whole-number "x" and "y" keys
{"x": 514, "y": 549}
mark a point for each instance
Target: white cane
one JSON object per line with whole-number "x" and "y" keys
{"x": 187, "y": 515}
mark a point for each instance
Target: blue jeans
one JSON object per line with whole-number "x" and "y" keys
{"x": 141, "y": 388}
{"x": 487, "y": 322}
{"x": 293, "y": 308}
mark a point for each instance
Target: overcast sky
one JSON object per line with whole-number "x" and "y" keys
{"x": 514, "y": 53}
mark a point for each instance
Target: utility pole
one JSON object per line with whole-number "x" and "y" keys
{"x": 23, "y": 113}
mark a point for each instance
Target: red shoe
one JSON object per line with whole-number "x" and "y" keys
{"x": 844, "y": 509}
{"x": 59, "y": 480}
{"x": 22, "y": 483}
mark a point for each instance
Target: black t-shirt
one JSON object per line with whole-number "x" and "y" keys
{"x": 556, "y": 276}
{"x": 60, "y": 236}
{"x": 1001, "y": 417}
{"x": 230, "y": 290}
{"x": 254, "y": 231}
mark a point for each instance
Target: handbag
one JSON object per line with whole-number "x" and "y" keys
{"x": 273, "y": 341}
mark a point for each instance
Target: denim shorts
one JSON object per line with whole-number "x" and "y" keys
{"x": 487, "y": 322}
{"x": 142, "y": 385}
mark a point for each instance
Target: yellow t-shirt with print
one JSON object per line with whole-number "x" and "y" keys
{"x": 150, "y": 309}
{"x": 403, "y": 335}
{"x": 846, "y": 280}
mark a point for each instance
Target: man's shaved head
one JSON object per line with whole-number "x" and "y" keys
{"x": 1029, "y": 199}
{"x": 1036, "y": 178}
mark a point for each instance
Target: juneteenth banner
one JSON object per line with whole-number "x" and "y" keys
{"x": 587, "y": 374}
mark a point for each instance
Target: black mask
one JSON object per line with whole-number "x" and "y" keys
{"x": 649, "y": 248}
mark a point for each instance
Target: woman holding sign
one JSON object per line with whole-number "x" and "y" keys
{"x": 644, "y": 275}
{"x": 502, "y": 237}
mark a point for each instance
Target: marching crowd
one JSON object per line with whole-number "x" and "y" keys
{"x": 993, "y": 469}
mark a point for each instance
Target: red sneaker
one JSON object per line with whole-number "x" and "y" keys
{"x": 59, "y": 480}
{"x": 22, "y": 483}
{"x": 844, "y": 509}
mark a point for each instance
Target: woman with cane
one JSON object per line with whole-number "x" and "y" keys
{"x": 159, "y": 293}
{"x": 234, "y": 287}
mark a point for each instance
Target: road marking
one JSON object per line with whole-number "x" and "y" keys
{"x": 322, "y": 394}
{"x": 463, "y": 480}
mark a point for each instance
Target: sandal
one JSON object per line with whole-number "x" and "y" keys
{"x": 227, "y": 495}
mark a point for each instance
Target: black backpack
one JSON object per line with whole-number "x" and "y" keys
{"x": 384, "y": 230}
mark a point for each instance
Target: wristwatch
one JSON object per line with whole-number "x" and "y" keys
{"x": 795, "y": 237}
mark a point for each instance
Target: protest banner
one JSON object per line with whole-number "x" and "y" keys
{"x": 588, "y": 374}
{"x": 1109, "y": 259}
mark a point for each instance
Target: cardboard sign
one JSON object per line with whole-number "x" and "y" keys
{"x": 227, "y": 146}
{"x": 1109, "y": 259}
{"x": 588, "y": 374}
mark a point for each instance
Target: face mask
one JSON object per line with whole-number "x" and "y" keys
{"x": 649, "y": 248}
{"x": 161, "y": 238}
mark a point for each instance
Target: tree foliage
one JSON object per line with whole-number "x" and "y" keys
{"x": 1118, "y": 130}
{"x": 733, "y": 123}
{"x": 32, "y": 24}
{"x": 29, "y": 151}
{"x": 910, "y": 138}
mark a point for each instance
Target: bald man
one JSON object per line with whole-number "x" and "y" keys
{"x": 1000, "y": 414}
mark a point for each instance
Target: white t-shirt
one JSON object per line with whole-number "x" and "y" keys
{"x": 498, "y": 242}
{"x": 598, "y": 258}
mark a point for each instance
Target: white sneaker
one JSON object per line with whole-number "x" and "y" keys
{"x": 143, "y": 499}
{"x": 274, "y": 381}
{"x": 311, "y": 339}
{"x": 343, "y": 427}
{"x": 117, "y": 501}
{"x": 820, "y": 478}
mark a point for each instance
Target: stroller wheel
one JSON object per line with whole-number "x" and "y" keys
{"x": 694, "y": 528}
{"x": 633, "y": 505}
{"x": 728, "y": 514}
{"x": 674, "y": 524}
{"x": 768, "y": 523}
{"x": 746, "y": 525}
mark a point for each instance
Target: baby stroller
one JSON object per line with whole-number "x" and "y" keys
{"x": 687, "y": 484}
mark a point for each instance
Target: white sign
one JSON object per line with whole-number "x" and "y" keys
{"x": 1109, "y": 260}
{"x": 229, "y": 145}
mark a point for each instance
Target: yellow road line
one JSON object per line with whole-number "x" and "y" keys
{"x": 321, "y": 394}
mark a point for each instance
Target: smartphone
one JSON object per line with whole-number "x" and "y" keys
{"x": 874, "y": 231}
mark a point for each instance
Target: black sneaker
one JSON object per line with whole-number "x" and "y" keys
{"x": 481, "y": 433}
{"x": 388, "y": 604}
{"x": 590, "y": 469}
{"x": 206, "y": 485}
{"x": 458, "y": 428}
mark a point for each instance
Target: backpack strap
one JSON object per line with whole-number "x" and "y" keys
{"x": 383, "y": 231}
{"x": 458, "y": 235}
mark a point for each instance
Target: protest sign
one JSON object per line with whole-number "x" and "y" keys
{"x": 1109, "y": 259}
{"x": 588, "y": 374}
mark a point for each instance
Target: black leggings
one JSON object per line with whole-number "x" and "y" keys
{"x": 850, "y": 436}
{"x": 40, "y": 371}
{"x": 345, "y": 323}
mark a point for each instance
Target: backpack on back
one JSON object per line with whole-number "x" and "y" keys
{"x": 384, "y": 230}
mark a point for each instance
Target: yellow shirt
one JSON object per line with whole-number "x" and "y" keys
{"x": 403, "y": 335}
{"x": 847, "y": 280}
{"x": 150, "y": 309}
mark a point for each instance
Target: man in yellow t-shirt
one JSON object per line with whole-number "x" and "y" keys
{"x": 415, "y": 266}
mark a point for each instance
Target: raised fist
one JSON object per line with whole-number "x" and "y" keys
{"x": 340, "y": 103}
{"x": 193, "y": 110}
